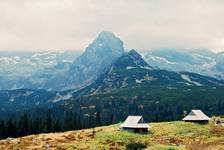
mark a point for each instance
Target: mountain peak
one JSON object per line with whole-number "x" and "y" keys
{"x": 134, "y": 53}
{"x": 107, "y": 41}
{"x": 105, "y": 45}
{"x": 96, "y": 59}
{"x": 106, "y": 34}
{"x": 136, "y": 57}
{"x": 131, "y": 59}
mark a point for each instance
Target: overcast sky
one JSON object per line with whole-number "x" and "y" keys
{"x": 141, "y": 24}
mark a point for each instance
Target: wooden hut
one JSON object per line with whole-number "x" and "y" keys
{"x": 135, "y": 124}
{"x": 196, "y": 116}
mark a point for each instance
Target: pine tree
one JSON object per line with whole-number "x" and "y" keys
{"x": 2, "y": 129}
{"x": 23, "y": 126}
{"x": 57, "y": 126}
{"x": 36, "y": 125}
{"x": 10, "y": 128}
{"x": 98, "y": 118}
{"x": 68, "y": 121}
{"x": 48, "y": 123}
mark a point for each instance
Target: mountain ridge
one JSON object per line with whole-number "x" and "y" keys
{"x": 131, "y": 70}
{"x": 58, "y": 72}
{"x": 83, "y": 70}
{"x": 204, "y": 62}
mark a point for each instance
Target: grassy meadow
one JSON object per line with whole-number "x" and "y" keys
{"x": 162, "y": 136}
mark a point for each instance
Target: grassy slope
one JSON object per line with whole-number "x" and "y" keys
{"x": 162, "y": 136}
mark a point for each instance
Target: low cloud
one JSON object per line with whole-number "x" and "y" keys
{"x": 142, "y": 24}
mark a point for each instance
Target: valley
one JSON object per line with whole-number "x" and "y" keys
{"x": 69, "y": 91}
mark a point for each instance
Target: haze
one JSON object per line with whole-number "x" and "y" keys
{"x": 38, "y": 25}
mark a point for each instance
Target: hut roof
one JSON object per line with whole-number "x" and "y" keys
{"x": 134, "y": 122}
{"x": 196, "y": 115}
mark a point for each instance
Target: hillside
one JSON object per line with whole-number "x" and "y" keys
{"x": 162, "y": 136}
{"x": 131, "y": 71}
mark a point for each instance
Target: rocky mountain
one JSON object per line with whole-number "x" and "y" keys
{"x": 96, "y": 59}
{"x": 201, "y": 61}
{"x": 60, "y": 70}
{"x": 128, "y": 72}
{"x": 131, "y": 71}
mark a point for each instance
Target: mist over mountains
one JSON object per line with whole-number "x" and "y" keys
{"x": 201, "y": 61}
{"x": 16, "y": 68}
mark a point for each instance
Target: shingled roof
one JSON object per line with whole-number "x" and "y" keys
{"x": 134, "y": 122}
{"x": 196, "y": 115}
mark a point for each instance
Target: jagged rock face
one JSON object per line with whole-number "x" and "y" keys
{"x": 131, "y": 60}
{"x": 106, "y": 45}
{"x": 96, "y": 59}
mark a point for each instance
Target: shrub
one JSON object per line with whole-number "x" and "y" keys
{"x": 135, "y": 146}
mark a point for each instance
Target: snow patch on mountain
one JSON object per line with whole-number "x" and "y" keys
{"x": 12, "y": 99}
{"x": 28, "y": 93}
{"x": 138, "y": 81}
{"x": 146, "y": 67}
{"x": 60, "y": 97}
{"x": 130, "y": 67}
{"x": 202, "y": 57}
{"x": 187, "y": 78}
{"x": 157, "y": 58}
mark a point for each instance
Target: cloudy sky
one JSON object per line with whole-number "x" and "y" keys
{"x": 141, "y": 24}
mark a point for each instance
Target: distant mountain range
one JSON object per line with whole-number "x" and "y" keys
{"x": 128, "y": 72}
{"x": 61, "y": 70}
{"x": 201, "y": 61}
{"x": 58, "y": 71}
{"x": 49, "y": 79}
{"x": 17, "y": 68}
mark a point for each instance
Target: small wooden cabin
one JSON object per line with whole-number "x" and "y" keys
{"x": 135, "y": 124}
{"x": 196, "y": 116}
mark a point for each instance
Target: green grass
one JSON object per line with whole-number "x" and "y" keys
{"x": 162, "y": 136}
{"x": 175, "y": 135}
{"x": 162, "y": 147}
{"x": 178, "y": 128}
{"x": 122, "y": 138}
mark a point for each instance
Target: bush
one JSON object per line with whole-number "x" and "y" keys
{"x": 135, "y": 146}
